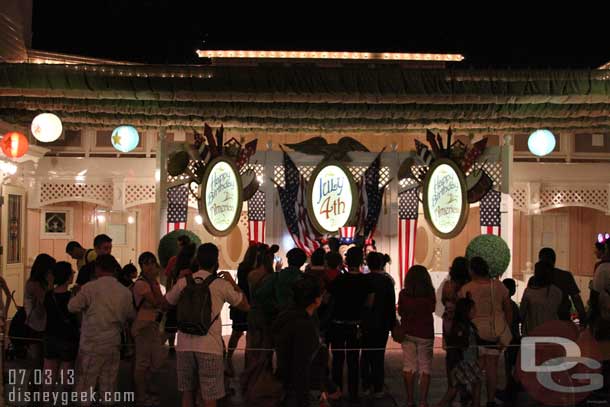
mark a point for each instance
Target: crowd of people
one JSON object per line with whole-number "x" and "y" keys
{"x": 305, "y": 324}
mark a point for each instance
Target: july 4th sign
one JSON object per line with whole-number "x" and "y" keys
{"x": 331, "y": 194}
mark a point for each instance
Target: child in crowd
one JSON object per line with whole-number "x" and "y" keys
{"x": 462, "y": 342}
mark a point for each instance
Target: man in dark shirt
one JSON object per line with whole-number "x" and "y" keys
{"x": 564, "y": 280}
{"x": 377, "y": 325}
{"x": 287, "y": 277}
{"x": 102, "y": 244}
{"x": 297, "y": 341}
{"x": 353, "y": 296}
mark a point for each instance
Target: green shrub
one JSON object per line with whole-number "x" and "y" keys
{"x": 493, "y": 249}
{"x": 168, "y": 246}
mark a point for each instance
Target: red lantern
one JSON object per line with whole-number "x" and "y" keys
{"x": 14, "y": 144}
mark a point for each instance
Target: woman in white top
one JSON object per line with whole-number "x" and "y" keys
{"x": 541, "y": 299}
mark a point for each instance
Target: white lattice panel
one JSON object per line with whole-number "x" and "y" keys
{"x": 307, "y": 170}
{"x": 519, "y": 196}
{"x": 137, "y": 194}
{"x": 590, "y": 197}
{"x": 493, "y": 169}
{"x": 95, "y": 193}
{"x": 259, "y": 169}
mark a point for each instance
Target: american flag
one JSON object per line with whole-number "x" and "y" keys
{"x": 408, "y": 205}
{"x": 490, "y": 213}
{"x": 292, "y": 199}
{"x": 256, "y": 218}
{"x": 370, "y": 199}
{"x": 177, "y": 207}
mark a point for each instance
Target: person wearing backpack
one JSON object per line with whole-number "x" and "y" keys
{"x": 150, "y": 354}
{"x": 199, "y": 350}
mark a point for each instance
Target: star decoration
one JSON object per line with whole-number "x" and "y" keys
{"x": 116, "y": 139}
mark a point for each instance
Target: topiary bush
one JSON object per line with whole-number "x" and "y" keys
{"x": 493, "y": 249}
{"x": 168, "y": 246}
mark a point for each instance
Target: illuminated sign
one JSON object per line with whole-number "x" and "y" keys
{"x": 221, "y": 202}
{"x": 330, "y": 193}
{"x": 445, "y": 201}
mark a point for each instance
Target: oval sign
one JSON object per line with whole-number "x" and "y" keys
{"x": 330, "y": 197}
{"x": 445, "y": 200}
{"x": 221, "y": 202}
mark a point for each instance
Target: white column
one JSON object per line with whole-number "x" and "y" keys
{"x": 161, "y": 185}
{"x": 506, "y": 206}
{"x": 506, "y": 222}
{"x": 387, "y": 229}
{"x": 33, "y": 193}
{"x": 118, "y": 194}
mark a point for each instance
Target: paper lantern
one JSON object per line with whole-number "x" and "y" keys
{"x": 541, "y": 142}
{"x": 46, "y": 127}
{"x": 14, "y": 144}
{"x": 125, "y": 138}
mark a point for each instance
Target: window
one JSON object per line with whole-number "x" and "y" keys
{"x": 56, "y": 223}
{"x": 14, "y": 229}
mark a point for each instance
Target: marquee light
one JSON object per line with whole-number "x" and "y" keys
{"x": 379, "y": 56}
{"x": 541, "y": 142}
{"x": 46, "y": 127}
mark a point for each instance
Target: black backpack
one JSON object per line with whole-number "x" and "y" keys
{"x": 194, "y": 311}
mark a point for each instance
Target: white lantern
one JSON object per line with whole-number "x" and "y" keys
{"x": 46, "y": 127}
{"x": 541, "y": 142}
{"x": 125, "y": 138}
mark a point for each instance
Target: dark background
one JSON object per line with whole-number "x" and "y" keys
{"x": 497, "y": 35}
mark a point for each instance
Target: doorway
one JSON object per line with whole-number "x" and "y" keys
{"x": 122, "y": 229}
{"x": 12, "y": 238}
{"x": 552, "y": 229}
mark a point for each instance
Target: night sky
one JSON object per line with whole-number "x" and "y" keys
{"x": 166, "y": 31}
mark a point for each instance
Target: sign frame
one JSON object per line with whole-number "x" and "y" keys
{"x": 309, "y": 192}
{"x": 203, "y": 211}
{"x": 464, "y": 192}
